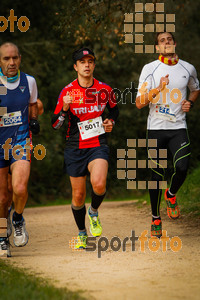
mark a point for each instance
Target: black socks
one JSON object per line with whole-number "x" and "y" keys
{"x": 17, "y": 217}
{"x": 79, "y": 216}
{"x": 96, "y": 200}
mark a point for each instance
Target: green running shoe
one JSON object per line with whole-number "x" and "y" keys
{"x": 81, "y": 241}
{"x": 172, "y": 207}
{"x": 95, "y": 224}
{"x": 156, "y": 228}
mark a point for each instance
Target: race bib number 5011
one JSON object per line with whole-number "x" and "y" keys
{"x": 11, "y": 119}
{"x": 91, "y": 128}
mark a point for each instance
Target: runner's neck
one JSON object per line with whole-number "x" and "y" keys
{"x": 169, "y": 60}
{"x": 85, "y": 83}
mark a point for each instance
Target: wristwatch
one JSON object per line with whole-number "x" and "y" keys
{"x": 63, "y": 113}
{"x": 113, "y": 122}
{"x": 191, "y": 103}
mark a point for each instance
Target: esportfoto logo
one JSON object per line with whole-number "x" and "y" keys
{"x": 116, "y": 244}
{"x": 128, "y": 163}
{"x": 23, "y": 23}
{"x": 135, "y": 29}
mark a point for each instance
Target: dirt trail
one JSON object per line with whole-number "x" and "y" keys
{"x": 116, "y": 275}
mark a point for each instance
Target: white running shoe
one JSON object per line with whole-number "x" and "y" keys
{"x": 5, "y": 247}
{"x": 20, "y": 234}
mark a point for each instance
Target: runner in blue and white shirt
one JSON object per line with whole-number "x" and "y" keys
{"x": 18, "y": 96}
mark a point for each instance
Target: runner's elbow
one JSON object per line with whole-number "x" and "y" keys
{"x": 138, "y": 103}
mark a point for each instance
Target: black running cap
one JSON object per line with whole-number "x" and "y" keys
{"x": 78, "y": 54}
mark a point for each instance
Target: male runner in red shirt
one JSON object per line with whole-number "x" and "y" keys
{"x": 84, "y": 101}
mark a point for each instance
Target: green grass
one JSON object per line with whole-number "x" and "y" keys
{"x": 16, "y": 284}
{"x": 189, "y": 193}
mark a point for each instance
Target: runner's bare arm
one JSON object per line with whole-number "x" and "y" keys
{"x": 40, "y": 107}
{"x": 33, "y": 110}
{"x": 187, "y": 104}
{"x": 146, "y": 97}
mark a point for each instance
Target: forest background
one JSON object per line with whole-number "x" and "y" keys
{"x": 57, "y": 28}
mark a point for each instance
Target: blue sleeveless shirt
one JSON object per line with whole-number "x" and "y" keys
{"x": 15, "y": 123}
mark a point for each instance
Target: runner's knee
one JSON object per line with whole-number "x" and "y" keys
{"x": 78, "y": 197}
{"x": 3, "y": 198}
{"x": 20, "y": 189}
{"x": 156, "y": 177}
{"x": 99, "y": 186}
{"x": 181, "y": 168}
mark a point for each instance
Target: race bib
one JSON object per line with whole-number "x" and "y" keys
{"x": 91, "y": 128}
{"x": 163, "y": 112}
{"x": 11, "y": 119}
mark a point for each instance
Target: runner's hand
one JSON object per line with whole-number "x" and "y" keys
{"x": 163, "y": 82}
{"x": 108, "y": 125}
{"x": 67, "y": 100}
{"x": 34, "y": 126}
{"x": 186, "y": 105}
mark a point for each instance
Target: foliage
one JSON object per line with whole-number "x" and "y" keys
{"x": 56, "y": 30}
{"x": 189, "y": 193}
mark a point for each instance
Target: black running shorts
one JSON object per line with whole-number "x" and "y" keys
{"x": 77, "y": 160}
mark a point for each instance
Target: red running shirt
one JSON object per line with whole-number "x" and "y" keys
{"x": 88, "y": 103}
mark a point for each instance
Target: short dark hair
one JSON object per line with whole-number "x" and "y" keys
{"x": 158, "y": 33}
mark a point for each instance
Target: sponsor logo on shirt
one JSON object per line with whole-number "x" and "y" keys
{"x": 91, "y": 109}
{"x": 22, "y": 88}
{"x": 80, "y": 100}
